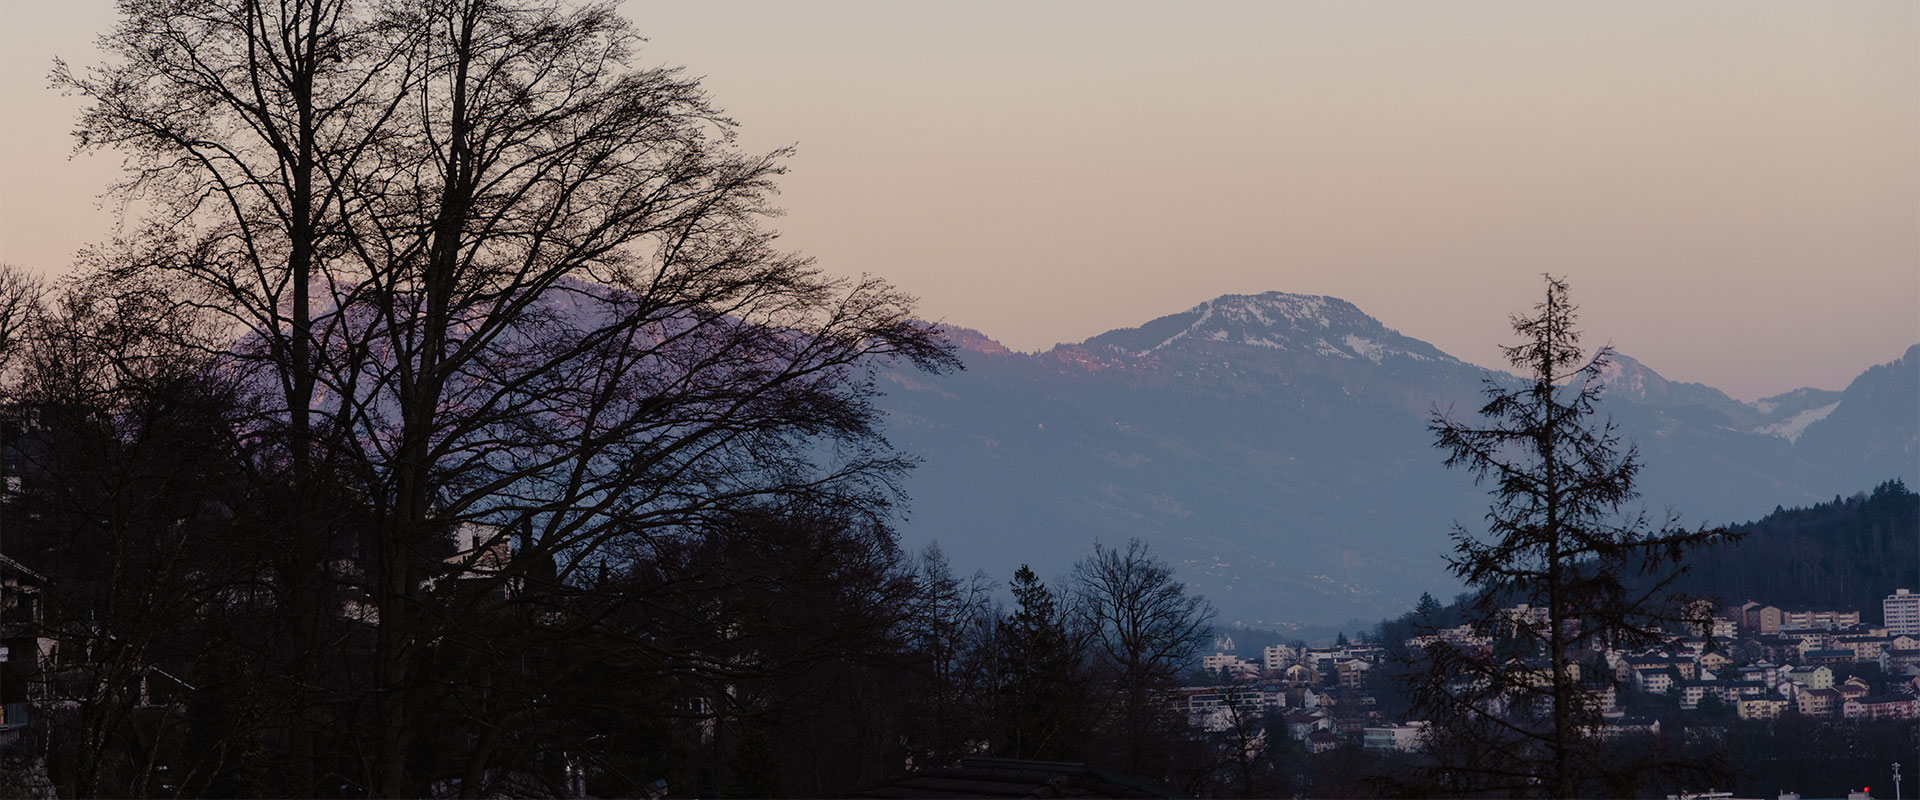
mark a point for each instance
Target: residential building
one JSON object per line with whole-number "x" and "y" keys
{"x": 1220, "y": 708}
{"x": 22, "y": 651}
{"x": 1761, "y": 707}
{"x": 1789, "y": 690}
{"x": 1692, "y": 692}
{"x": 1902, "y": 658}
{"x": 1815, "y": 678}
{"x": 1807, "y": 618}
{"x": 1831, "y": 658}
{"x": 1322, "y": 741}
{"x": 1765, "y": 672}
{"x": 1626, "y": 726}
{"x": 1353, "y": 673}
{"x": 1462, "y": 636}
{"x": 1819, "y": 703}
{"x": 1234, "y": 664}
{"x": 1277, "y": 657}
{"x": 1886, "y": 706}
{"x": 1405, "y": 738}
{"x": 1865, "y": 647}
{"x": 1758, "y": 619}
{"x": 1714, "y": 662}
{"x": 1900, "y": 612}
{"x": 1300, "y": 675}
{"x": 1687, "y": 667}
{"x": 1720, "y": 628}
{"x": 1301, "y": 724}
{"x": 1775, "y": 647}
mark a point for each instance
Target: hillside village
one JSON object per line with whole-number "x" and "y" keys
{"x": 1756, "y": 662}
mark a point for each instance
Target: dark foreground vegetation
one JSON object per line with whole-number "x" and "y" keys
{"x": 448, "y": 423}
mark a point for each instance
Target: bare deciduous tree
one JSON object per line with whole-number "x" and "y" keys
{"x": 499, "y": 282}
{"x": 20, "y": 294}
{"x": 1144, "y": 627}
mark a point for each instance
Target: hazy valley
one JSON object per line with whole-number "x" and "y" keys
{"x": 1275, "y": 448}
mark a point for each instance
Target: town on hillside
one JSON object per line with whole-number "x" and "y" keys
{"x": 1755, "y": 662}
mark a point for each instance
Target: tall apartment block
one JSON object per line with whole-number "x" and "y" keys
{"x": 1901, "y": 612}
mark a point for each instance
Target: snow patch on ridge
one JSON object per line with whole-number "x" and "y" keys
{"x": 1366, "y": 347}
{"x": 1791, "y": 427}
{"x": 1307, "y": 324}
{"x": 1206, "y": 313}
{"x": 1620, "y": 376}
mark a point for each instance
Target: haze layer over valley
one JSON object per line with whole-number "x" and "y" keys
{"x": 1275, "y": 448}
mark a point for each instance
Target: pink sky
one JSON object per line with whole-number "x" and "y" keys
{"x": 1733, "y": 188}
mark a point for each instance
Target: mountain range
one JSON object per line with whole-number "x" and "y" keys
{"x": 1275, "y": 449}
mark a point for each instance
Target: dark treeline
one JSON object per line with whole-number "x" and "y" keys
{"x": 1846, "y": 554}
{"x": 779, "y": 644}
{"x": 770, "y": 651}
{"x": 448, "y": 422}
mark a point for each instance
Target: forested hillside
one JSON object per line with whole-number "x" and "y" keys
{"x": 1846, "y": 554}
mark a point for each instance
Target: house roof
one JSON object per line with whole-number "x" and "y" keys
{"x": 1879, "y": 699}
{"x": 9, "y": 565}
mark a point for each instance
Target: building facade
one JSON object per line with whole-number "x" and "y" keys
{"x": 1901, "y": 613}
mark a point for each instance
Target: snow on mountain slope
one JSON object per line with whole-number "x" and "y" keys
{"x": 1297, "y": 323}
{"x": 1791, "y": 427}
{"x": 1786, "y": 404}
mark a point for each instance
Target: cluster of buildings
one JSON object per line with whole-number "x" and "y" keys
{"x": 1765, "y": 662}
{"x": 1319, "y": 696}
{"x": 1751, "y": 661}
{"x": 1757, "y": 661}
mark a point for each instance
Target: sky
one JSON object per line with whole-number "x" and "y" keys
{"x": 1732, "y": 188}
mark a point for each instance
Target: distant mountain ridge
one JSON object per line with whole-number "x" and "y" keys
{"x": 1275, "y": 448}
{"x": 1279, "y": 321}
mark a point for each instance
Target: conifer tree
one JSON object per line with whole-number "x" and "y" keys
{"x": 1427, "y": 608}
{"x": 1040, "y": 676}
{"x": 1560, "y": 536}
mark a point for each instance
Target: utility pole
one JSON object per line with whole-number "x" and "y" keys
{"x": 1896, "y": 780}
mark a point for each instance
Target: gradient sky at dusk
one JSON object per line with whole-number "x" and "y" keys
{"x": 1733, "y": 188}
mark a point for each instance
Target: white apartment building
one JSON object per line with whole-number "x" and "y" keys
{"x": 1901, "y": 613}
{"x": 1228, "y": 661}
{"x": 1280, "y": 656}
{"x": 1405, "y": 738}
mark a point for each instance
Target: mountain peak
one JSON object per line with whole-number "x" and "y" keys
{"x": 1312, "y": 325}
{"x": 969, "y": 340}
{"x": 1301, "y": 310}
{"x": 1624, "y": 375}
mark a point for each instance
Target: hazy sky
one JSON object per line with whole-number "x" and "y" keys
{"x": 1732, "y": 188}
